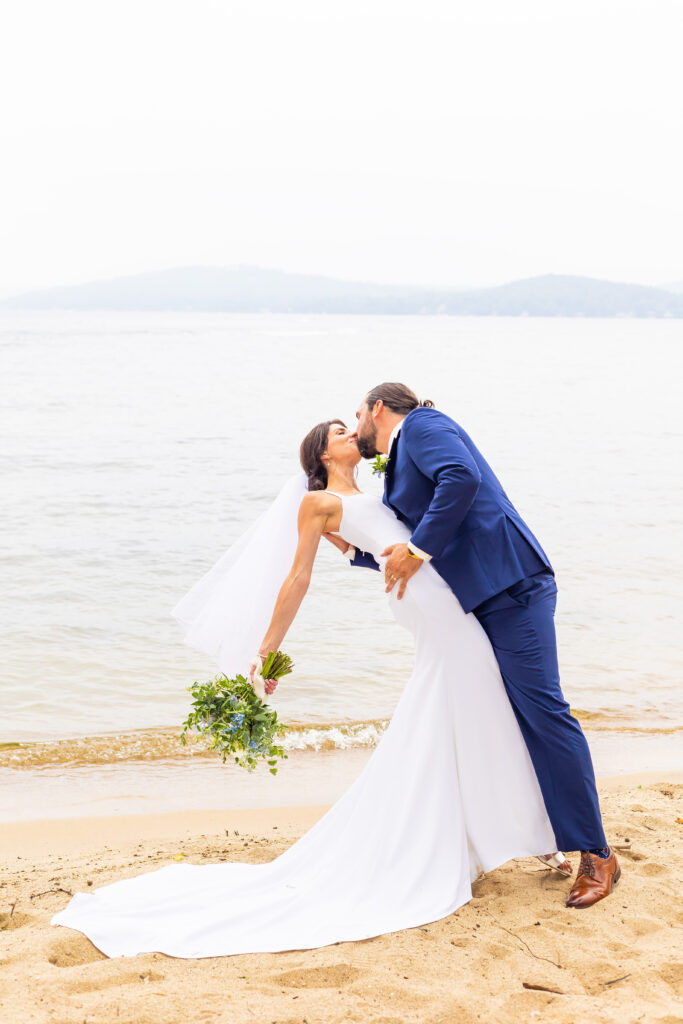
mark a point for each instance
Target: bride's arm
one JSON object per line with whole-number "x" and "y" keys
{"x": 314, "y": 515}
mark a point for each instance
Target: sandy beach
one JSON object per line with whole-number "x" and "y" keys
{"x": 514, "y": 953}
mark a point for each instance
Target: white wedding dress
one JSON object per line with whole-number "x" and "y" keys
{"x": 450, "y": 792}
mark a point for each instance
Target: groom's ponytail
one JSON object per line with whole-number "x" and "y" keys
{"x": 397, "y": 397}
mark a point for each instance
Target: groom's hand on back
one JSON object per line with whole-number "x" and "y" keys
{"x": 399, "y": 568}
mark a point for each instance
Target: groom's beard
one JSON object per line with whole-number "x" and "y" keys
{"x": 367, "y": 445}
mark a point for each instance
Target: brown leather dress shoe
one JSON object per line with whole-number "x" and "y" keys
{"x": 596, "y": 878}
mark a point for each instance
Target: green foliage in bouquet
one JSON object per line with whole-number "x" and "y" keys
{"x": 235, "y": 721}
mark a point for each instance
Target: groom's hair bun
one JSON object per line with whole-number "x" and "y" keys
{"x": 313, "y": 447}
{"x": 397, "y": 397}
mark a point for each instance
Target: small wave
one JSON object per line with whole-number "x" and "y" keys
{"x": 165, "y": 745}
{"x": 630, "y": 719}
{"x": 334, "y": 737}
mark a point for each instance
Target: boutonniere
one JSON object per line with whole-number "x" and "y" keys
{"x": 379, "y": 465}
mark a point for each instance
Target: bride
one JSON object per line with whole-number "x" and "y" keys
{"x": 450, "y": 791}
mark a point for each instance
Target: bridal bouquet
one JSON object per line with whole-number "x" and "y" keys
{"x": 236, "y": 720}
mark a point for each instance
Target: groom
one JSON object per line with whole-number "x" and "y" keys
{"x": 440, "y": 486}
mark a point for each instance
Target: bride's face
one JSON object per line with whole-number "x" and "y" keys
{"x": 342, "y": 446}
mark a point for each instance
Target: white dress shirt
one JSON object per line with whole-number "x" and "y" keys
{"x": 411, "y": 547}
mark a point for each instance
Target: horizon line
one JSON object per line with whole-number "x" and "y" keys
{"x": 8, "y": 292}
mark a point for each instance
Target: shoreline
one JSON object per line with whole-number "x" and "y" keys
{"x": 162, "y": 740}
{"x": 141, "y": 773}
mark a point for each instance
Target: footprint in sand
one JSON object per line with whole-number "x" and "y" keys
{"x": 111, "y": 979}
{"x": 497, "y": 951}
{"x": 8, "y": 922}
{"x": 318, "y": 977}
{"x": 640, "y": 926}
{"x": 73, "y": 951}
{"x": 652, "y": 870}
{"x": 621, "y": 949}
{"x": 631, "y": 855}
{"x": 672, "y": 974}
{"x": 594, "y": 973}
{"x": 385, "y": 1020}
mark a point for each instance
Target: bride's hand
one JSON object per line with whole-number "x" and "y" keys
{"x": 338, "y": 542}
{"x": 269, "y": 685}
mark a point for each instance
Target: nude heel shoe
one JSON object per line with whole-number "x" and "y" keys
{"x": 557, "y": 861}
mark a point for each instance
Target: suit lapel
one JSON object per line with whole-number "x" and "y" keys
{"x": 389, "y": 474}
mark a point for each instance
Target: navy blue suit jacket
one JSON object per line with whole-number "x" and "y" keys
{"x": 439, "y": 484}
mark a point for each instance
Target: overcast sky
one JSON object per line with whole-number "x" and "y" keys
{"x": 431, "y": 142}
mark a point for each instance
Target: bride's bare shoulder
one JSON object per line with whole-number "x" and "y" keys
{"x": 316, "y": 503}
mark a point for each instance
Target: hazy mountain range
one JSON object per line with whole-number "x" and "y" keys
{"x": 245, "y": 289}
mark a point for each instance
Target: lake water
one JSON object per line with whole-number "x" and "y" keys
{"x": 137, "y": 447}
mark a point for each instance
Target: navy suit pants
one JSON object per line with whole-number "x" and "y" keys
{"x": 519, "y": 622}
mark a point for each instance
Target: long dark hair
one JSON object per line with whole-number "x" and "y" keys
{"x": 313, "y": 447}
{"x": 397, "y": 397}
